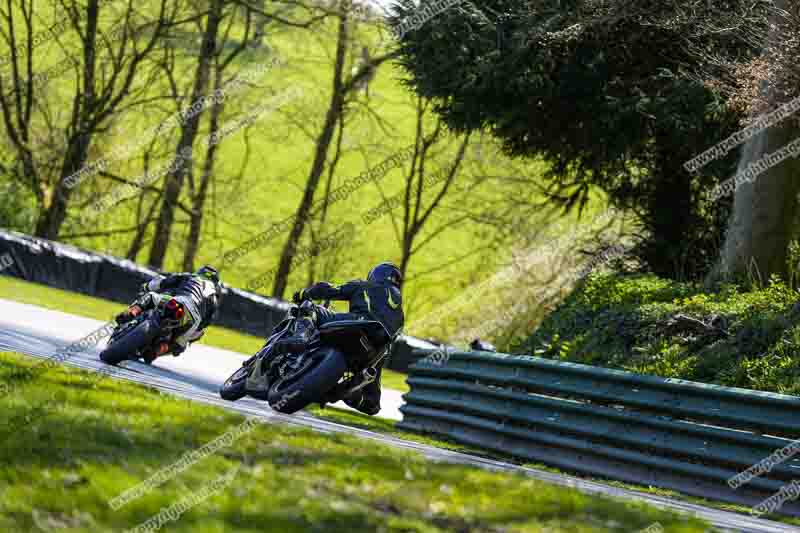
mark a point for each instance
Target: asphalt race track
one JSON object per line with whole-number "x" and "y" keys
{"x": 198, "y": 373}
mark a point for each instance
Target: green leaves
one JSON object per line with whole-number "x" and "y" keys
{"x": 596, "y": 96}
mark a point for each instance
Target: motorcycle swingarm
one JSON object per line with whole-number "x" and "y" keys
{"x": 370, "y": 373}
{"x": 367, "y": 376}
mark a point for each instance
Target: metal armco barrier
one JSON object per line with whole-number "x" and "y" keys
{"x": 669, "y": 433}
{"x": 104, "y": 276}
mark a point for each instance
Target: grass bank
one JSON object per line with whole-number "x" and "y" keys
{"x": 74, "y": 443}
{"x": 645, "y": 324}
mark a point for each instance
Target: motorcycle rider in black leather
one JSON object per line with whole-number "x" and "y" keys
{"x": 199, "y": 296}
{"x": 378, "y": 298}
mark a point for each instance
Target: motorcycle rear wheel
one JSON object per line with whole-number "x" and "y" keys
{"x": 307, "y": 385}
{"x": 127, "y": 346}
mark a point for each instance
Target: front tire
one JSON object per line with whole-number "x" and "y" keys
{"x": 234, "y": 387}
{"x": 295, "y": 392}
{"x": 129, "y": 344}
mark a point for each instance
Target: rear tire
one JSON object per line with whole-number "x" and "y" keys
{"x": 129, "y": 344}
{"x": 295, "y": 392}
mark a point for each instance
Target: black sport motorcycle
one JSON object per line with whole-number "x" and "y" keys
{"x": 340, "y": 357}
{"x": 139, "y": 337}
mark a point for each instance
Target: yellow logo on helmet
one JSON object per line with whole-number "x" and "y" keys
{"x": 392, "y": 303}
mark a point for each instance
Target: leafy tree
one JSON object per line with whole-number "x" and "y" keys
{"x": 104, "y": 62}
{"x": 598, "y": 91}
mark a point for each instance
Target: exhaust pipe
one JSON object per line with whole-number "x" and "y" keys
{"x": 370, "y": 374}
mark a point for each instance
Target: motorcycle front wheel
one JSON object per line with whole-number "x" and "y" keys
{"x": 234, "y": 387}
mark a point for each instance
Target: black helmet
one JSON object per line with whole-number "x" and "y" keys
{"x": 386, "y": 272}
{"x": 208, "y": 272}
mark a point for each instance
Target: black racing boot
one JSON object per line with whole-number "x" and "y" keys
{"x": 152, "y": 353}
{"x": 361, "y": 402}
{"x": 148, "y": 356}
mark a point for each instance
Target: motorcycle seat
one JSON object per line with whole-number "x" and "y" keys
{"x": 337, "y": 324}
{"x": 370, "y": 334}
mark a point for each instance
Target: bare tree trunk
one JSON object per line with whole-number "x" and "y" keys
{"x": 317, "y": 235}
{"x": 51, "y": 219}
{"x": 199, "y": 200}
{"x": 138, "y": 239}
{"x": 765, "y": 212}
{"x": 415, "y": 213}
{"x": 320, "y": 155}
{"x": 174, "y": 179}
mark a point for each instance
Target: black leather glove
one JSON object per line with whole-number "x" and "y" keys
{"x": 322, "y": 285}
{"x": 297, "y": 297}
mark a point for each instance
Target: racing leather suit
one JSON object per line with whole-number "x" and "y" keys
{"x": 200, "y": 298}
{"x": 367, "y": 301}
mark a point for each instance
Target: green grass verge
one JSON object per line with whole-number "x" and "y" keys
{"x": 99, "y": 309}
{"x": 388, "y": 427}
{"x": 74, "y": 443}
